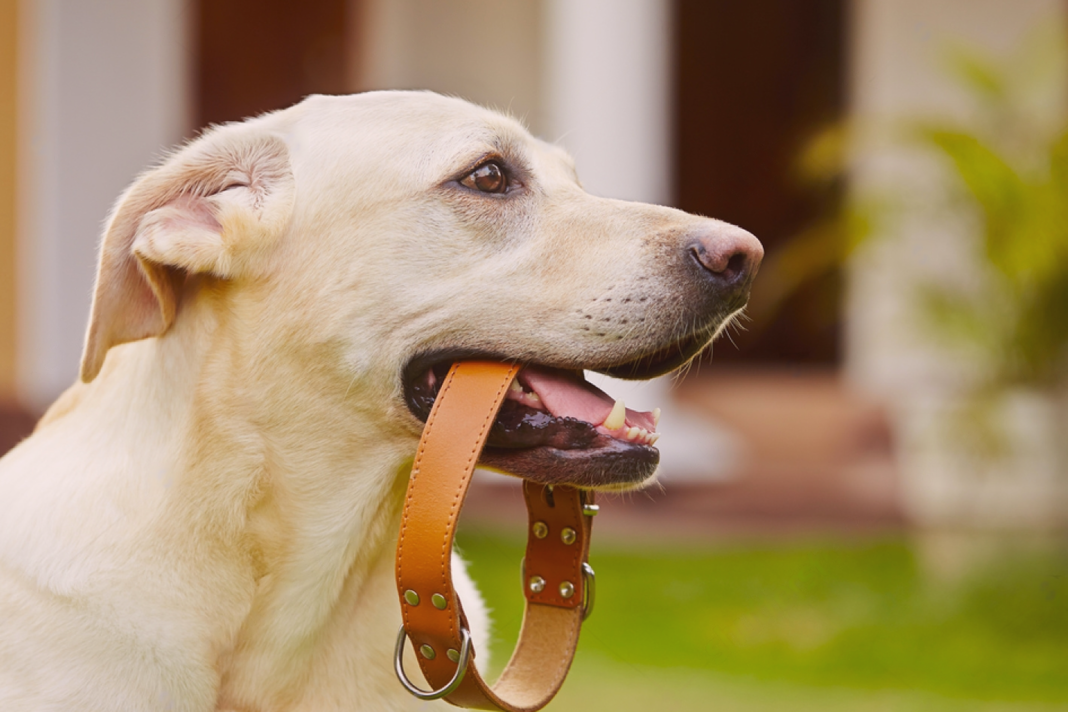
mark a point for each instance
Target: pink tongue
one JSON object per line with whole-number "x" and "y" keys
{"x": 565, "y": 395}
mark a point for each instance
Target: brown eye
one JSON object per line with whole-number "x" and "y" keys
{"x": 488, "y": 178}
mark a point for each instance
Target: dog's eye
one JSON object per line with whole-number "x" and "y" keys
{"x": 487, "y": 178}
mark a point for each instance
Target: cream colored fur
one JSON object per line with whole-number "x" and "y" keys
{"x": 208, "y": 520}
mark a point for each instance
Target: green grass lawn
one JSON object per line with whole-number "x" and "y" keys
{"x": 828, "y": 626}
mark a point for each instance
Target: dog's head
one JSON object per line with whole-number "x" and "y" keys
{"x": 380, "y": 237}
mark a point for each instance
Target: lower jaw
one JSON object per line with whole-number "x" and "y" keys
{"x": 614, "y": 465}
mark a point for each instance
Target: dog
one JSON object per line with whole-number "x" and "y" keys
{"x": 207, "y": 519}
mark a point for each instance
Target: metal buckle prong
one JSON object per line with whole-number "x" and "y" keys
{"x": 461, "y": 667}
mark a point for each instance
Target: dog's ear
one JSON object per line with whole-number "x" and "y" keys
{"x": 210, "y": 208}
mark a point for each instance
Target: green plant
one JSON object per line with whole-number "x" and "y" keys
{"x": 1007, "y": 180}
{"x": 1014, "y": 180}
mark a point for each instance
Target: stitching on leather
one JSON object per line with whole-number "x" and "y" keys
{"x": 423, "y": 440}
{"x": 576, "y": 551}
{"x": 461, "y": 487}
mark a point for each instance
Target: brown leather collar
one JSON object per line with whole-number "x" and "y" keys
{"x": 557, "y": 579}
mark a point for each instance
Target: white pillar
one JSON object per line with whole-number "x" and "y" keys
{"x": 608, "y": 79}
{"x": 608, "y": 93}
{"x": 104, "y": 93}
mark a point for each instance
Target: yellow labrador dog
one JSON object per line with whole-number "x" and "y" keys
{"x": 207, "y": 521}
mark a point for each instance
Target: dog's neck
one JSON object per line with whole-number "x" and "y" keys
{"x": 285, "y": 484}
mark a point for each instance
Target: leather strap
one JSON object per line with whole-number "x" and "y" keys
{"x": 555, "y": 564}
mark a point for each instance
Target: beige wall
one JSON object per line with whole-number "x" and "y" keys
{"x": 8, "y": 72}
{"x": 486, "y": 51}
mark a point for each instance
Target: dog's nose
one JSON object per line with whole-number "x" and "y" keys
{"x": 729, "y": 255}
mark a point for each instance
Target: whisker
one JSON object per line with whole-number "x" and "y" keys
{"x": 354, "y": 375}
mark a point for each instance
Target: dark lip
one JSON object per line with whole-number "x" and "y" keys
{"x": 650, "y": 365}
{"x": 609, "y": 464}
{"x": 661, "y": 361}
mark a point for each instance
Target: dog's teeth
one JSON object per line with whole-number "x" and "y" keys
{"x": 632, "y": 434}
{"x": 515, "y": 387}
{"x": 533, "y": 396}
{"x": 617, "y": 418}
{"x": 653, "y": 437}
{"x": 656, "y": 417}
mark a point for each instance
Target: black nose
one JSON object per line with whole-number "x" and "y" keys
{"x": 729, "y": 255}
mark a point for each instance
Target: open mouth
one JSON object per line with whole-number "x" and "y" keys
{"x": 556, "y": 428}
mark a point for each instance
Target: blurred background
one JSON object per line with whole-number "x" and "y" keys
{"x": 865, "y": 492}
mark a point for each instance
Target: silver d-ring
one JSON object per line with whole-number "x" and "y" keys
{"x": 588, "y": 590}
{"x": 461, "y": 667}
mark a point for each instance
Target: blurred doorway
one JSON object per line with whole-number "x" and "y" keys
{"x": 754, "y": 81}
{"x": 259, "y": 55}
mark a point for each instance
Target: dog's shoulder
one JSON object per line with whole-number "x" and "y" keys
{"x": 63, "y": 405}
